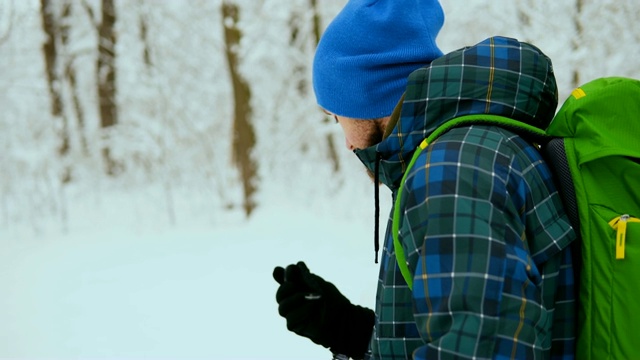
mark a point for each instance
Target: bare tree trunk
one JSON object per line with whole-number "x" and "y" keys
{"x": 297, "y": 41}
{"x": 244, "y": 138}
{"x": 50, "y": 52}
{"x": 144, "y": 37}
{"x": 106, "y": 79}
{"x": 317, "y": 32}
{"x": 577, "y": 40}
{"x": 524, "y": 18}
{"x": 70, "y": 75}
{"x": 52, "y": 29}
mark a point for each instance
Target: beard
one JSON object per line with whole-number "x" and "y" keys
{"x": 375, "y": 137}
{"x": 372, "y": 176}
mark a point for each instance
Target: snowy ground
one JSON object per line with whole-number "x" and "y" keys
{"x": 172, "y": 292}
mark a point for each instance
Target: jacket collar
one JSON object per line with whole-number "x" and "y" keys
{"x": 498, "y": 76}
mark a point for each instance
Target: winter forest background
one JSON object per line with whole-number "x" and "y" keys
{"x": 160, "y": 100}
{"x": 134, "y": 119}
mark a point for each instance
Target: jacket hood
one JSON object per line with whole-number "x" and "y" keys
{"x": 498, "y": 76}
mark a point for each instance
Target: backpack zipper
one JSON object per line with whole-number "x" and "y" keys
{"x": 620, "y": 225}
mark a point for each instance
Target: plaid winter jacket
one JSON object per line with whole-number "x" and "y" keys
{"x": 482, "y": 225}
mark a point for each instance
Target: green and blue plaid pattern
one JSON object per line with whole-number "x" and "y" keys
{"x": 483, "y": 228}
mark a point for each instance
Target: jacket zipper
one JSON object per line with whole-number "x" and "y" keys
{"x": 620, "y": 225}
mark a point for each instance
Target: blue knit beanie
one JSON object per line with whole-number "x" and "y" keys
{"x": 367, "y": 52}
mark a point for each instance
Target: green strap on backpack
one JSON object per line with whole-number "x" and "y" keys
{"x": 457, "y": 122}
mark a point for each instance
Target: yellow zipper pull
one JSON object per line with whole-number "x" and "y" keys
{"x": 620, "y": 225}
{"x": 621, "y": 237}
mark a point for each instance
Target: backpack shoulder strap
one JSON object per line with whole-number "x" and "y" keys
{"x": 467, "y": 120}
{"x": 555, "y": 154}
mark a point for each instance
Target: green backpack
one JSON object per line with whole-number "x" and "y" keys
{"x": 596, "y": 158}
{"x": 594, "y": 154}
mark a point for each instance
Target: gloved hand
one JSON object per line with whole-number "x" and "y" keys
{"x": 315, "y": 309}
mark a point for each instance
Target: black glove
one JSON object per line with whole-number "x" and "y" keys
{"x": 315, "y": 309}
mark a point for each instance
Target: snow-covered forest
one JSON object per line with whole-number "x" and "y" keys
{"x": 156, "y": 154}
{"x": 152, "y": 102}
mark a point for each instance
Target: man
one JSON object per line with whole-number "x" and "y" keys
{"x": 480, "y": 224}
